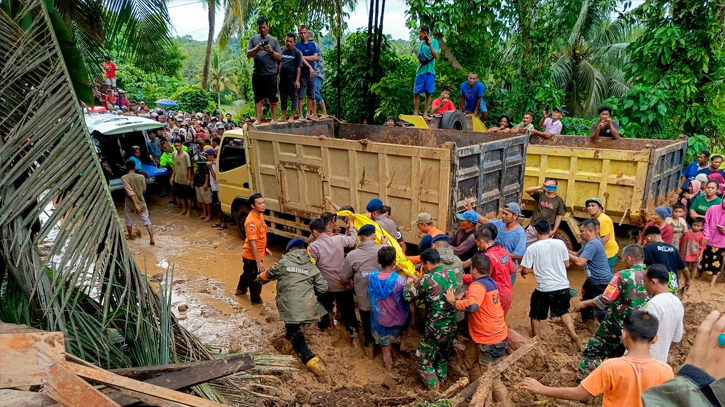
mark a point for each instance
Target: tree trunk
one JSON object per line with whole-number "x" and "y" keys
{"x": 449, "y": 55}
{"x": 368, "y": 54}
{"x": 339, "y": 60}
{"x": 376, "y": 57}
{"x": 209, "y": 43}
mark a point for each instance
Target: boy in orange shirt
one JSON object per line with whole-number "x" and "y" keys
{"x": 486, "y": 320}
{"x": 622, "y": 380}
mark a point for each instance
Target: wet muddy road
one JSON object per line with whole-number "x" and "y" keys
{"x": 207, "y": 264}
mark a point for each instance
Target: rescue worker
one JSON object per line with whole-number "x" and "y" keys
{"x": 357, "y": 266}
{"x": 379, "y": 213}
{"x": 440, "y": 323}
{"x": 624, "y": 294}
{"x": 463, "y": 242}
{"x": 299, "y": 283}
{"x": 328, "y": 252}
{"x": 441, "y": 243}
{"x": 254, "y": 250}
{"x": 424, "y": 223}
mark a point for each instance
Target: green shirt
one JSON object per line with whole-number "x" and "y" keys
{"x": 167, "y": 161}
{"x": 701, "y": 205}
{"x": 521, "y": 126}
{"x": 424, "y": 53}
{"x": 431, "y": 289}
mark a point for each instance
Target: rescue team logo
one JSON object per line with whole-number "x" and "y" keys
{"x": 298, "y": 270}
{"x": 251, "y": 227}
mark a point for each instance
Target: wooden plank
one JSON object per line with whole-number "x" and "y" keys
{"x": 147, "y": 372}
{"x": 18, "y": 398}
{"x": 110, "y": 379}
{"x": 67, "y": 388}
{"x": 133, "y": 396}
{"x": 18, "y": 366}
{"x": 204, "y": 372}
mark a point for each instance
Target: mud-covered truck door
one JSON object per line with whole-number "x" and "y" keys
{"x": 233, "y": 174}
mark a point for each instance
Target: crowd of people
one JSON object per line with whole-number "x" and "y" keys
{"x": 462, "y": 286}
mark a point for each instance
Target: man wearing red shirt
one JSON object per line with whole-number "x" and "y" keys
{"x": 443, "y": 104}
{"x": 502, "y": 267}
{"x": 110, "y": 69}
{"x": 486, "y": 321}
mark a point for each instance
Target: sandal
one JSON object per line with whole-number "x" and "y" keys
{"x": 222, "y": 227}
{"x": 216, "y": 225}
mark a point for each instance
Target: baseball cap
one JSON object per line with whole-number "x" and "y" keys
{"x": 424, "y": 217}
{"x": 701, "y": 178}
{"x": 366, "y": 230}
{"x": 440, "y": 237}
{"x": 210, "y": 151}
{"x": 513, "y": 207}
{"x": 296, "y": 242}
{"x": 469, "y": 215}
{"x": 220, "y": 125}
{"x": 214, "y": 118}
{"x": 374, "y": 205}
{"x": 594, "y": 199}
{"x": 558, "y": 109}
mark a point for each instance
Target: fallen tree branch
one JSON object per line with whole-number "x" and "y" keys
{"x": 470, "y": 390}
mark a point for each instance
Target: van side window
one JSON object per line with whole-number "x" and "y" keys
{"x": 232, "y": 154}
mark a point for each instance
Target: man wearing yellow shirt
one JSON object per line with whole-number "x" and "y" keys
{"x": 595, "y": 207}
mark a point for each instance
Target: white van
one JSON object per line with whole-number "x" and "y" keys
{"x": 115, "y": 135}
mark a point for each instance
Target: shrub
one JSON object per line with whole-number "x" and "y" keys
{"x": 193, "y": 98}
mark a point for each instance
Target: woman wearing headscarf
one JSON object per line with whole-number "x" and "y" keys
{"x": 714, "y": 231}
{"x": 658, "y": 219}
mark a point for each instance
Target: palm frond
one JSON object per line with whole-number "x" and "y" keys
{"x": 561, "y": 71}
{"x": 594, "y": 84}
{"x": 61, "y": 239}
{"x": 580, "y": 26}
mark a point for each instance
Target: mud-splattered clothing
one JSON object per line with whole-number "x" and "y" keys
{"x": 440, "y": 323}
{"x": 624, "y": 294}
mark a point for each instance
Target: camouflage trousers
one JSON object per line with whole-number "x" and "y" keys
{"x": 606, "y": 343}
{"x": 433, "y": 351}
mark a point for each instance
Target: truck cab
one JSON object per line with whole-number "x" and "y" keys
{"x": 233, "y": 176}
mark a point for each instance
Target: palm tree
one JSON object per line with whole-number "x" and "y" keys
{"x": 211, "y": 5}
{"x": 589, "y": 66}
{"x": 221, "y": 75}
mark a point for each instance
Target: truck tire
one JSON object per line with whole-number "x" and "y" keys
{"x": 240, "y": 217}
{"x": 565, "y": 237}
{"x": 454, "y": 120}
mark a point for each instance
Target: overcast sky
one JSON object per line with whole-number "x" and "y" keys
{"x": 189, "y": 17}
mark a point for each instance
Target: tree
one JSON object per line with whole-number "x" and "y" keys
{"x": 220, "y": 75}
{"x": 211, "y": 6}
{"x": 589, "y": 64}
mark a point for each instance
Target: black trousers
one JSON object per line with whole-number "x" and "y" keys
{"x": 295, "y": 335}
{"x": 246, "y": 280}
{"x": 591, "y": 291}
{"x": 345, "y": 301}
{"x": 367, "y": 331}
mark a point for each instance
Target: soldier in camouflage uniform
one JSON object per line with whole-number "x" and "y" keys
{"x": 440, "y": 323}
{"x": 624, "y": 294}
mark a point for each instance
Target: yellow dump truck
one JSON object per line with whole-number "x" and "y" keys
{"x": 295, "y": 166}
{"x": 631, "y": 176}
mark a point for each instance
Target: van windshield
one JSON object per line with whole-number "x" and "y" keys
{"x": 232, "y": 154}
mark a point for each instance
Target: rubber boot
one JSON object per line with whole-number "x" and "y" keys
{"x": 316, "y": 366}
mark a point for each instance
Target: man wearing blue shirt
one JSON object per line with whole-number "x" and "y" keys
{"x": 693, "y": 169}
{"x": 425, "y": 74}
{"x": 593, "y": 258}
{"x": 307, "y": 79}
{"x": 472, "y": 97}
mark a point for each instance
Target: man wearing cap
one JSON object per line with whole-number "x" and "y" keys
{"x": 357, "y": 266}
{"x": 424, "y": 222}
{"x": 547, "y": 205}
{"x": 375, "y": 207}
{"x": 463, "y": 243}
{"x": 595, "y": 207}
{"x": 552, "y": 125}
{"x": 328, "y": 252}
{"x": 299, "y": 284}
{"x": 511, "y": 235}
{"x": 390, "y": 122}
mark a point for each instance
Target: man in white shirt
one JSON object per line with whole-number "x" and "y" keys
{"x": 552, "y": 125}
{"x": 666, "y": 307}
{"x": 548, "y": 259}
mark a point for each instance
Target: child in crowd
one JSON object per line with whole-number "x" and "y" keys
{"x": 691, "y": 247}
{"x": 678, "y": 223}
{"x": 658, "y": 219}
{"x": 622, "y": 380}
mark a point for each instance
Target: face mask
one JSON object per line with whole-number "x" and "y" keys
{"x": 550, "y": 188}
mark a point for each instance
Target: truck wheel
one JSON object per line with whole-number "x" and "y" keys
{"x": 568, "y": 240}
{"x": 240, "y": 217}
{"x": 454, "y": 120}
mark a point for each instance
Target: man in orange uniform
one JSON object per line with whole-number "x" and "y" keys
{"x": 486, "y": 320}
{"x": 255, "y": 247}
{"x": 424, "y": 222}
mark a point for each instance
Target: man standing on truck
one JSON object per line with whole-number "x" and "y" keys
{"x": 307, "y": 78}
{"x": 267, "y": 53}
{"x": 471, "y": 94}
{"x": 255, "y": 247}
{"x": 425, "y": 74}
{"x": 595, "y": 207}
{"x": 328, "y": 252}
{"x": 606, "y": 127}
{"x": 548, "y": 206}
{"x": 552, "y": 125}
{"x": 290, "y": 70}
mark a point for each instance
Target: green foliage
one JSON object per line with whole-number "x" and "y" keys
{"x": 576, "y": 126}
{"x": 193, "y": 98}
{"x": 394, "y": 90}
{"x": 148, "y": 87}
{"x": 695, "y": 145}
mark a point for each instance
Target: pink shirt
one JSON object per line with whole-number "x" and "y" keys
{"x": 551, "y": 126}
{"x": 713, "y": 217}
